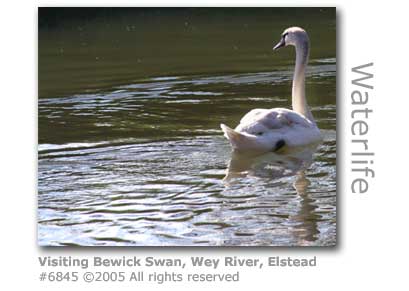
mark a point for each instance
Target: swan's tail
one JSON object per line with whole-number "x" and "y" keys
{"x": 230, "y": 133}
{"x": 244, "y": 142}
{"x": 239, "y": 141}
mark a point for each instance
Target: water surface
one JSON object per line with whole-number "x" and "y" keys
{"x": 130, "y": 148}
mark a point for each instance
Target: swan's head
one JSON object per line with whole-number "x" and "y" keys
{"x": 292, "y": 36}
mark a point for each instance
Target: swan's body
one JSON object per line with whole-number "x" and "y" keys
{"x": 270, "y": 129}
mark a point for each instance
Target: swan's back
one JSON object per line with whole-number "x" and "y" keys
{"x": 272, "y": 119}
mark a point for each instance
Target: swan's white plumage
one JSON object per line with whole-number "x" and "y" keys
{"x": 277, "y": 118}
{"x": 264, "y": 129}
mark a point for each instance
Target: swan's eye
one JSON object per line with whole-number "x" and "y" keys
{"x": 259, "y": 133}
{"x": 284, "y": 35}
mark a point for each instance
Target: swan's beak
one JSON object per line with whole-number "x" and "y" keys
{"x": 280, "y": 44}
{"x": 237, "y": 140}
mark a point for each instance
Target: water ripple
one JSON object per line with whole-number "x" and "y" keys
{"x": 153, "y": 170}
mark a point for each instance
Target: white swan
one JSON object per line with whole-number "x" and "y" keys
{"x": 266, "y": 130}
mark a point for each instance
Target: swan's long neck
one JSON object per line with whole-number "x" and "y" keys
{"x": 299, "y": 102}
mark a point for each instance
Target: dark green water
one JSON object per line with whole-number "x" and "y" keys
{"x": 130, "y": 148}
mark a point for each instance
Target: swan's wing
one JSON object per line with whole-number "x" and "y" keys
{"x": 274, "y": 118}
{"x": 253, "y": 115}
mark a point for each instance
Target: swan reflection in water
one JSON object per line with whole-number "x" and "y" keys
{"x": 279, "y": 165}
